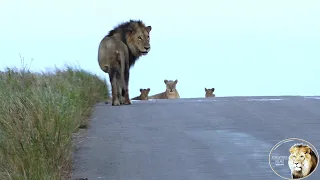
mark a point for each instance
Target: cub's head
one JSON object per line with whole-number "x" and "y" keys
{"x": 171, "y": 85}
{"x": 209, "y": 92}
{"x": 300, "y": 159}
{"x": 138, "y": 38}
{"x": 144, "y": 94}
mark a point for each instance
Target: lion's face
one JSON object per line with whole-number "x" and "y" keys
{"x": 299, "y": 158}
{"x": 139, "y": 40}
{"x": 209, "y": 91}
{"x": 144, "y": 94}
{"x": 171, "y": 85}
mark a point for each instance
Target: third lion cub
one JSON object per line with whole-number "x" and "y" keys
{"x": 209, "y": 92}
{"x": 170, "y": 93}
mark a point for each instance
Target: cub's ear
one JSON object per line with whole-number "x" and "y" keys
{"x": 141, "y": 90}
{"x": 148, "y": 89}
{"x": 212, "y": 89}
{"x": 165, "y": 81}
{"x": 149, "y": 28}
{"x": 205, "y": 89}
{"x": 176, "y": 81}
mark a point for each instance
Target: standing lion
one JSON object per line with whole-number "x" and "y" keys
{"x": 118, "y": 52}
{"x": 302, "y": 161}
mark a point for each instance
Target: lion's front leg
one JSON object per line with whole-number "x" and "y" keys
{"x": 126, "y": 87}
{"x": 127, "y": 100}
{"x": 121, "y": 95}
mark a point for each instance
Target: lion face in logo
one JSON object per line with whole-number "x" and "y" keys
{"x": 302, "y": 161}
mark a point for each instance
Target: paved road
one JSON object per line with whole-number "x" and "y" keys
{"x": 194, "y": 139}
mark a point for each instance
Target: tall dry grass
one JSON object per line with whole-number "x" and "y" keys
{"x": 38, "y": 114}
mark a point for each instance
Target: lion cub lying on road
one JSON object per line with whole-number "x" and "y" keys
{"x": 143, "y": 96}
{"x": 170, "y": 93}
{"x": 209, "y": 92}
{"x": 302, "y": 161}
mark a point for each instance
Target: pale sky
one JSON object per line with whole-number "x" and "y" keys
{"x": 239, "y": 47}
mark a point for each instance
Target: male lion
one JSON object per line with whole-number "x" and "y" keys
{"x": 302, "y": 161}
{"x": 118, "y": 52}
{"x": 143, "y": 96}
{"x": 209, "y": 92}
{"x": 170, "y": 93}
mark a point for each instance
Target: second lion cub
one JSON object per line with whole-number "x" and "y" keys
{"x": 170, "y": 93}
{"x": 143, "y": 96}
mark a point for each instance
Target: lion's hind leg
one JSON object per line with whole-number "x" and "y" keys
{"x": 120, "y": 62}
{"x": 114, "y": 86}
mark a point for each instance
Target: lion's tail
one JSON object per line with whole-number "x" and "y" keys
{"x": 118, "y": 56}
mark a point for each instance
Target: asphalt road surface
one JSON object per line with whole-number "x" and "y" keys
{"x": 227, "y": 138}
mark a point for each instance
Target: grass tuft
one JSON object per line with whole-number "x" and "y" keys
{"x": 38, "y": 114}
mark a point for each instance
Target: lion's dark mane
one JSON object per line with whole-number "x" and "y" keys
{"x": 122, "y": 29}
